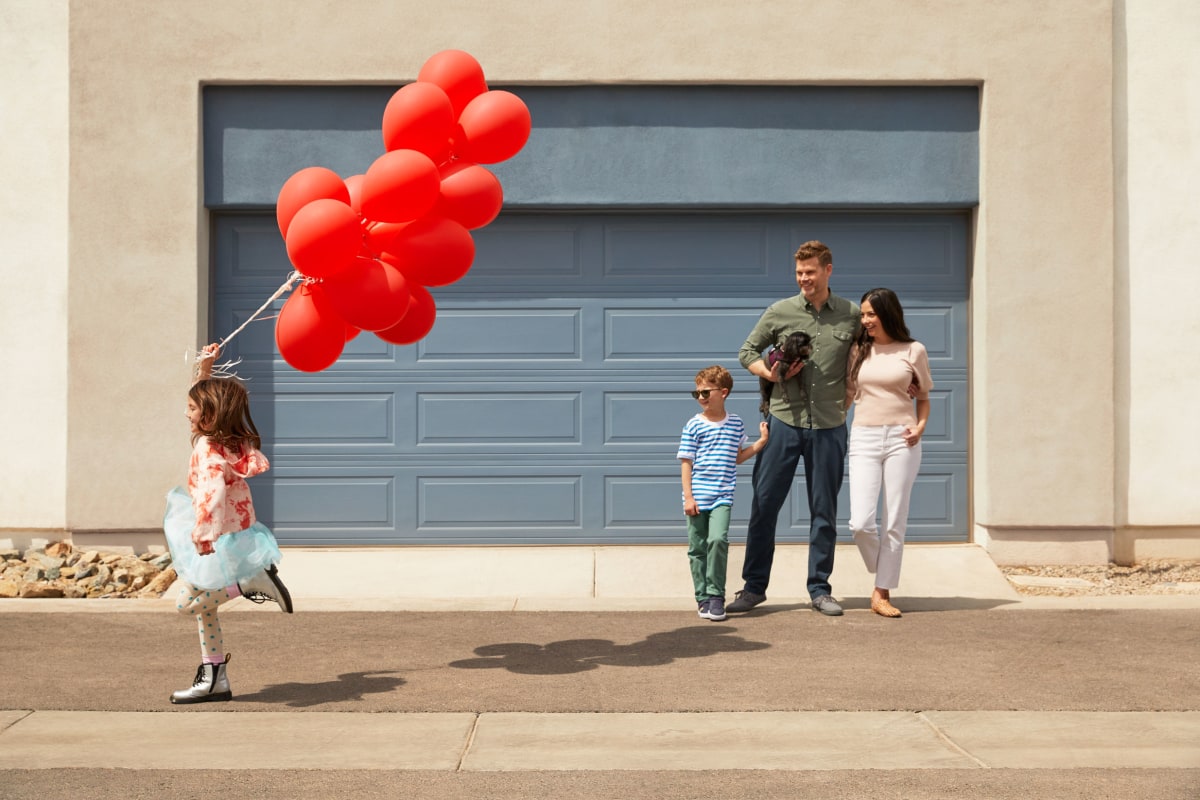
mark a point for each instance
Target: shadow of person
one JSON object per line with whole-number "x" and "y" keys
{"x": 581, "y": 655}
{"x": 349, "y": 686}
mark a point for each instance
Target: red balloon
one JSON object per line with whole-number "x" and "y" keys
{"x": 310, "y": 336}
{"x": 352, "y": 332}
{"x": 400, "y": 186}
{"x": 415, "y": 324}
{"x": 354, "y": 187}
{"x": 458, "y": 74}
{"x": 310, "y": 183}
{"x": 380, "y": 235}
{"x": 419, "y": 117}
{"x": 324, "y": 238}
{"x": 433, "y": 251}
{"x": 369, "y": 295}
{"x": 495, "y": 126}
{"x": 471, "y": 194}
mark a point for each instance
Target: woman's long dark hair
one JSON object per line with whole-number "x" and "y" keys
{"x": 887, "y": 308}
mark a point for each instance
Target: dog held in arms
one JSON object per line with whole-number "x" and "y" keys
{"x": 796, "y": 348}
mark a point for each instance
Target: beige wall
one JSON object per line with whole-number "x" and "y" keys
{"x": 1047, "y": 423}
{"x": 33, "y": 268}
{"x": 1158, "y": 268}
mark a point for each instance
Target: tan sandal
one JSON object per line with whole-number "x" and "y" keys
{"x": 884, "y": 608}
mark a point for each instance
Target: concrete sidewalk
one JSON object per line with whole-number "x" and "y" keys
{"x": 614, "y": 578}
{"x": 513, "y": 742}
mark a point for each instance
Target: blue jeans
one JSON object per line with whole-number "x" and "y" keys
{"x": 824, "y": 455}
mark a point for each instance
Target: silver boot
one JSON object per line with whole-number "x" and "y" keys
{"x": 266, "y": 586}
{"x": 211, "y": 684}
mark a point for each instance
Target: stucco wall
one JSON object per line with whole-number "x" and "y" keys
{"x": 1158, "y": 241}
{"x": 33, "y": 268}
{"x": 1046, "y": 426}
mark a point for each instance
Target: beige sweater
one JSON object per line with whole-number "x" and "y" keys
{"x": 880, "y": 394}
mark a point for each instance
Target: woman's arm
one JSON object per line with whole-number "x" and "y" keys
{"x": 913, "y": 434}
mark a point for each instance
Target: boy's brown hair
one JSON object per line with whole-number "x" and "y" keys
{"x": 817, "y": 250}
{"x": 716, "y": 375}
{"x": 224, "y": 412}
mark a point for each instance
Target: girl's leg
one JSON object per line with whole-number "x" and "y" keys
{"x": 202, "y": 604}
{"x": 866, "y": 478}
{"x": 900, "y": 467}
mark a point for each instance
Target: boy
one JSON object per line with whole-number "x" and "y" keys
{"x": 712, "y": 445}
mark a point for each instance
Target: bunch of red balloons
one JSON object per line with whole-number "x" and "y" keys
{"x": 370, "y": 246}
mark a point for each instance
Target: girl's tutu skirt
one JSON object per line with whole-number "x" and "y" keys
{"x": 238, "y": 556}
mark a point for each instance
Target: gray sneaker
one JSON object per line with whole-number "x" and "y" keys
{"x": 716, "y": 609}
{"x": 702, "y": 608}
{"x": 744, "y": 601}
{"x": 826, "y": 605}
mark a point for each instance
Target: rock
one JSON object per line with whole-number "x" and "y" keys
{"x": 10, "y": 555}
{"x": 9, "y": 588}
{"x": 41, "y": 589}
{"x": 84, "y": 571}
{"x": 161, "y": 582}
{"x": 90, "y": 557}
{"x": 58, "y": 550}
{"x": 44, "y": 560}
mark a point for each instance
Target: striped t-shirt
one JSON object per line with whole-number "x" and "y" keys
{"x": 712, "y": 447}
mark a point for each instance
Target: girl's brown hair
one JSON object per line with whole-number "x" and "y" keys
{"x": 224, "y": 413}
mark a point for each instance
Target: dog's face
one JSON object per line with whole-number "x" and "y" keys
{"x": 796, "y": 347}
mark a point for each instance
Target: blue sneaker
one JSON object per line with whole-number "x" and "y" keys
{"x": 716, "y": 609}
{"x": 702, "y": 608}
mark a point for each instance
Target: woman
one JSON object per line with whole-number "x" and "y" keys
{"x": 886, "y": 371}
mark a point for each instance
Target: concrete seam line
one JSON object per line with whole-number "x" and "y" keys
{"x": 950, "y": 742}
{"x": 28, "y": 714}
{"x": 467, "y": 745}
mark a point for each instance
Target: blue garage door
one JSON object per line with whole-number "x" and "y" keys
{"x": 546, "y": 404}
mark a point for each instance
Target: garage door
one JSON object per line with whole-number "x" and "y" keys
{"x": 546, "y": 404}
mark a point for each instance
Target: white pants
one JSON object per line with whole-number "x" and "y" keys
{"x": 880, "y": 460}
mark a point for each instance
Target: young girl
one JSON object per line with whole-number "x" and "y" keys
{"x": 886, "y": 371}
{"x": 217, "y": 546}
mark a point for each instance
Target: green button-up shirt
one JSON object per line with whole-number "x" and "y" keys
{"x": 833, "y": 328}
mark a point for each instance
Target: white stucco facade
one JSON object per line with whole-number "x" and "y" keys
{"x": 1089, "y": 154}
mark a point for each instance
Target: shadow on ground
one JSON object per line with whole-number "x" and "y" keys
{"x": 580, "y": 655}
{"x": 349, "y": 686}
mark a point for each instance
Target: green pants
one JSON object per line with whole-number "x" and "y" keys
{"x": 708, "y": 551}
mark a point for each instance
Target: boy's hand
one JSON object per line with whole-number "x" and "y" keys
{"x": 690, "y": 508}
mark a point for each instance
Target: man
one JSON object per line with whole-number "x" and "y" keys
{"x": 808, "y": 421}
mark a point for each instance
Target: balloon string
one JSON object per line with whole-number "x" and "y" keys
{"x": 295, "y": 276}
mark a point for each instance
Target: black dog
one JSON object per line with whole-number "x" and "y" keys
{"x": 796, "y": 349}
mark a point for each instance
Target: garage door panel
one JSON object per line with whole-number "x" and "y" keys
{"x": 696, "y": 250}
{"x": 493, "y": 417}
{"x": 499, "y": 502}
{"x": 691, "y": 332}
{"x": 925, "y": 254}
{"x": 492, "y": 334}
{"x": 348, "y": 502}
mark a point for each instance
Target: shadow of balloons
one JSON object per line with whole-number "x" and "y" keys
{"x": 349, "y": 686}
{"x": 580, "y": 655}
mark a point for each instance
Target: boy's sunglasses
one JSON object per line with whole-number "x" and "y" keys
{"x": 702, "y": 393}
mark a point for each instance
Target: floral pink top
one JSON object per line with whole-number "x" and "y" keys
{"x": 217, "y": 483}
